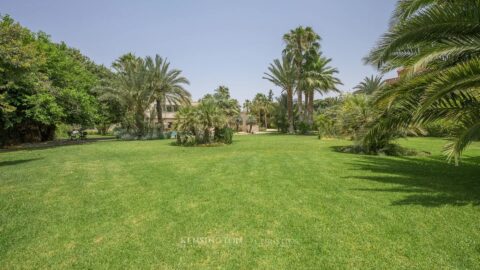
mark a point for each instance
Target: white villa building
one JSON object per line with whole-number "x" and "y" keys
{"x": 169, "y": 112}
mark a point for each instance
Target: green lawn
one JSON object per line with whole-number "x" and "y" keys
{"x": 266, "y": 202}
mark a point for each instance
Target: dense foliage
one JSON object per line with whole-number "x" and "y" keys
{"x": 436, "y": 43}
{"x": 305, "y": 71}
{"x": 142, "y": 87}
{"x": 209, "y": 121}
{"x": 43, "y": 84}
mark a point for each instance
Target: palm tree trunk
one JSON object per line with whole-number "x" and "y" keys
{"x": 206, "y": 135}
{"x": 310, "y": 106}
{"x": 290, "y": 111}
{"x": 139, "y": 117}
{"x": 265, "y": 118}
{"x": 159, "y": 116}
{"x": 307, "y": 94}
{"x": 300, "y": 105}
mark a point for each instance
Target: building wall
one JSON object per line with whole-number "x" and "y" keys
{"x": 246, "y": 128}
{"x": 169, "y": 117}
{"x": 169, "y": 113}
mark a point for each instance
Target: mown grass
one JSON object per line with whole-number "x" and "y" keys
{"x": 265, "y": 202}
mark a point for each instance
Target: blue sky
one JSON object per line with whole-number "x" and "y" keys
{"x": 214, "y": 42}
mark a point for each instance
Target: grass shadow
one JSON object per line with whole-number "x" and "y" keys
{"x": 54, "y": 144}
{"x": 429, "y": 182}
{"x": 15, "y": 162}
{"x": 394, "y": 150}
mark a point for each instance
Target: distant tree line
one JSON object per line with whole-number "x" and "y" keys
{"x": 46, "y": 87}
{"x": 434, "y": 46}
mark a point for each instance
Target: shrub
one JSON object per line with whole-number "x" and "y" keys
{"x": 225, "y": 135}
{"x": 61, "y": 131}
{"x": 123, "y": 134}
{"x": 91, "y": 131}
{"x": 303, "y": 128}
{"x": 321, "y": 133}
{"x": 325, "y": 126}
{"x": 441, "y": 129}
{"x": 186, "y": 139}
{"x": 228, "y": 136}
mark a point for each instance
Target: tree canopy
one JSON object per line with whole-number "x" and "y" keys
{"x": 42, "y": 84}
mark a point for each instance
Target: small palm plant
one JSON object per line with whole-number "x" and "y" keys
{"x": 196, "y": 124}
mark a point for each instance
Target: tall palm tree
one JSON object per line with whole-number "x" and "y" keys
{"x": 437, "y": 42}
{"x": 130, "y": 88}
{"x": 167, "y": 86}
{"x": 251, "y": 120}
{"x": 369, "y": 85}
{"x": 319, "y": 77}
{"x": 230, "y": 106}
{"x": 246, "y": 105}
{"x": 301, "y": 42}
{"x": 283, "y": 74}
{"x": 222, "y": 91}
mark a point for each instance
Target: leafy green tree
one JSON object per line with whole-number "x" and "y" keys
{"x": 110, "y": 111}
{"x": 42, "y": 84}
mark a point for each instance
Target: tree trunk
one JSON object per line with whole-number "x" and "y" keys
{"x": 159, "y": 116}
{"x": 139, "y": 117}
{"x": 306, "y": 112}
{"x": 265, "y": 119}
{"x": 206, "y": 135}
{"x": 300, "y": 105}
{"x": 310, "y": 107}
{"x": 290, "y": 110}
